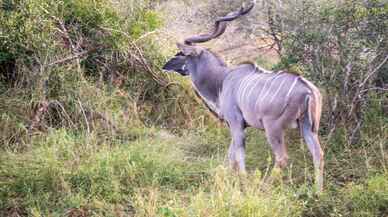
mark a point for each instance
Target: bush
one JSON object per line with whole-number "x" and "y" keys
{"x": 83, "y": 65}
{"x": 370, "y": 199}
{"x": 340, "y": 46}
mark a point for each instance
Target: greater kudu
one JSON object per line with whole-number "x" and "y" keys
{"x": 248, "y": 95}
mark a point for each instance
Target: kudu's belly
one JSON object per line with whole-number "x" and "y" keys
{"x": 286, "y": 117}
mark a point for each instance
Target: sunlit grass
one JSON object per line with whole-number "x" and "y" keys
{"x": 160, "y": 174}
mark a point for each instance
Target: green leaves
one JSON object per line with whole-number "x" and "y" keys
{"x": 147, "y": 21}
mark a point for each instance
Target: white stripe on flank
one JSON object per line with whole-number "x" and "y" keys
{"x": 280, "y": 87}
{"x": 255, "y": 82}
{"x": 261, "y": 91}
{"x": 292, "y": 87}
{"x": 289, "y": 92}
{"x": 268, "y": 78}
{"x": 249, "y": 83}
{"x": 241, "y": 87}
{"x": 269, "y": 88}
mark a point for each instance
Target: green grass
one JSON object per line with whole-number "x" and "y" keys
{"x": 69, "y": 173}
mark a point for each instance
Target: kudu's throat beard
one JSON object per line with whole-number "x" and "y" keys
{"x": 208, "y": 87}
{"x": 210, "y": 101}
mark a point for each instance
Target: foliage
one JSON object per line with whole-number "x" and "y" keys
{"x": 370, "y": 199}
{"x": 365, "y": 199}
{"x": 83, "y": 65}
{"x": 342, "y": 46}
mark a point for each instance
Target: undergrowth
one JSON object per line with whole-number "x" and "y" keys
{"x": 75, "y": 173}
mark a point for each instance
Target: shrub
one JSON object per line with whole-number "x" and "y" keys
{"x": 370, "y": 199}
{"x": 341, "y": 46}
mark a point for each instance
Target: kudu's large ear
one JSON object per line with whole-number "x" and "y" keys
{"x": 189, "y": 50}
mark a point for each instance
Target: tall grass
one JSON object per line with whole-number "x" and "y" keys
{"x": 157, "y": 174}
{"x": 67, "y": 170}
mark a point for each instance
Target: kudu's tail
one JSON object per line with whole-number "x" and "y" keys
{"x": 309, "y": 126}
{"x": 313, "y": 106}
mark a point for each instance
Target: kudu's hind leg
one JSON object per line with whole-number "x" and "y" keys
{"x": 236, "y": 153}
{"x": 311, "y": 138}
{"x": 275, "y": 136}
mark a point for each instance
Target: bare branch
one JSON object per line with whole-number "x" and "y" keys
{"x": 374, "y": 88}
{"x": 140, "y": 58}
{"x": 68, "y": 59}
{"x": 373, "y": 71}
{"x": 83, "y": 113}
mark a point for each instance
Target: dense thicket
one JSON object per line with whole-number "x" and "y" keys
{"x": 340, "y": 45}
{"x": 343, "y": 47}
{"x": 78, "y": 64}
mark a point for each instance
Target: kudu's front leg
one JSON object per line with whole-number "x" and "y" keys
{"x": 236, "y": 152}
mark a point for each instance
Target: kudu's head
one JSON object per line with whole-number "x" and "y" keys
{"x": 192, "y": 58}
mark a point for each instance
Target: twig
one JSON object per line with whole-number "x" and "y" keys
{"x": 361, "y": 91}
{"x": 70, "y": 58}
{"x": 374, "y": 88}
{"x": 140, "y": 58}
{"x": 83, "y": 113}
{"x": 41, "y": 111}
{"x": 145, "y": 35}
{"x": 65, "y": 33}
{"x": 383, "y": 154}
{"x": 233, "y": 47}
{"x": 374, "y": 71}
{"x": 38, "y": 114}
{"x": 56, "y": 102}
{"x": 143, "y": 61}
{"x": 348, "y": 71}
{"x": 103, "y": 117}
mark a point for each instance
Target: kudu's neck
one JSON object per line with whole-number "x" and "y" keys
{"x": 208, "y": 77}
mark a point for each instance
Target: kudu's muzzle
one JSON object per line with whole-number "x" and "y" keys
{"x": 177, "y": 64}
